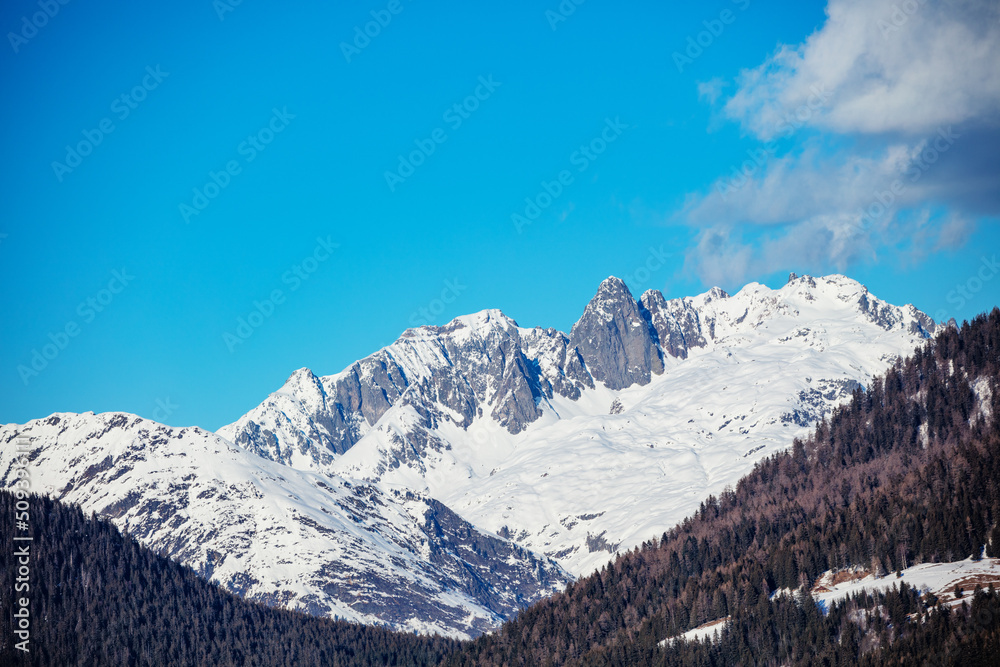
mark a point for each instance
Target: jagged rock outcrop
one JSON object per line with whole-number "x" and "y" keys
{"x": 677, "y": 323}
{"x": 615, "y": 339}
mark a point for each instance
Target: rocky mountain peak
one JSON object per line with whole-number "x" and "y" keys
{"x": 613, "y": 284}
{"x": 715, "y": 293}
{"x": 612, "y": 296}
{"x": 484, "y": 365}
{"x": 675, "y": 323}
{"x": 616, "y": 339}
{"x": 301, "y": 374}
{"x": 482, "y": 325}
{"x": 803, "y": 281}
{"x": 302, "y": 383}
{"x": 479, "y": 324}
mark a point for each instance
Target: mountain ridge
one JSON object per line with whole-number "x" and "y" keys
{"x": 673, "y": 328}
{"x": 530, "y": 446}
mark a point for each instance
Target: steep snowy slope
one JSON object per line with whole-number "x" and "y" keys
{"x": 578, "y": 446}
{"x": 448, "y": 478}
{"x": 575, "y": 487}
{"x": 280, "y": 535}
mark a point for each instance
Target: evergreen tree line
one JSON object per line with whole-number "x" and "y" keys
{"x": 99, "y": 598}
{"x": 905, "y": 473}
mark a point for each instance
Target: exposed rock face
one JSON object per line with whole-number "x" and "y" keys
{"x": 475, "y": 365}
{"x": 615, "y": 338}
{"x": 676, "y": 324}
{"x": 377, "y": 494}
{"x": 307, "y": 419}
{"x": 484, "y": 567}
{"x": 559, "y": 364}
{"x": 485, "y": 364}
{"x": 322, "y": 544}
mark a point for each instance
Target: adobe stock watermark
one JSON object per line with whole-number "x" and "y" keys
{"x": 561, "y": 13}
{"x": 987, "y": 614}
{"x": 122, "y": 107}
{"x": 37, "y": 21}
{"x": 164, "y": 409}
{"x": 883, "y": 201}
{"x": 223, "y": 7}
{"x": 656, "y": 259}
{"x": 23, "y": 538}
{"x": 249, "y": 149}
{"x": 899, "y": 16}
{"x": 581, "y": 158}
{"x": 294, "y": 278}
{"x": 87, "y": 310}
{"x": 962, "y": 293}
{"x": 449, "y": 294}
{"x": 480, "y": 433}
{"x": 363, "y": 35}
{"x": 696, "y": 44}
{"x": 454, "y": 116}
{"x": 741, "y": 174}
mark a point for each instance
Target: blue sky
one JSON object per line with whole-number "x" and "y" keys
{"x": 171, "y": 170}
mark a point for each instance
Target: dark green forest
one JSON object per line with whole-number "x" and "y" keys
{"x": 906, "y": 472}
{"x": 99, "y": 598}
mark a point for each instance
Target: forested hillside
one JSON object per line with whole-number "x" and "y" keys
{"x": 907, "y": 472}
{"x": 99, "y": 598}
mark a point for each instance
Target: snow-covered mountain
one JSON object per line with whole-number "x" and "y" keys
{"x": 435, "y": 483}
{"x": 579, "y": 445}
{"x": 282, "y": 536}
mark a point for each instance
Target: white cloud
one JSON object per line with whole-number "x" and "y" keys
{"x": 904, "y": 66}
{"x": 723, "y": 256}
{"x": 811, "y": 184}
{"x": 903, "y": 101}
{"x": 953, "y": 233}
{"x": 709, "y": 91}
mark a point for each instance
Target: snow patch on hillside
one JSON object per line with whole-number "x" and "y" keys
{"x": 937, "y": 578}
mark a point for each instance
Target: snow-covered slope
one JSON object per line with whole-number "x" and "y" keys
{"x": 710, "y": 631}
{"x": 428, "y": 485}
{"x": 280, "y": 535}
{"x": 940, "y": 579}
{"x": 578, "y": 446}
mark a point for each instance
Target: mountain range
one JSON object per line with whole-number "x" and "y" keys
{"x": 873, "y": 541}
{"x": 468, "y": 470}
